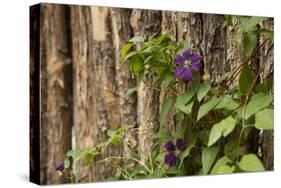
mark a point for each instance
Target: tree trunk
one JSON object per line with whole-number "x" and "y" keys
{"x": 267, "y": 137}
{"x": 145, "y": 23}
{"x": 122, "y": 32}
{"x": 56, "y": 90}
{"x": 84, "y": 84}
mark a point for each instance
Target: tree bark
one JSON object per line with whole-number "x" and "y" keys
{"x": 56, "y": 91}
{"x": 84, "y": 84}
{"x": 145, "y": 23}
{"x": 267, "y": 58}
{"x": 122, "y": 32}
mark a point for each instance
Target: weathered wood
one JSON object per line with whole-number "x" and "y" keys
{"x": 266, "y": 57}
{"x": 122, "y": 32}
{"x": 84, "y": 111}
{"x": 56, "y": 90}
{"x": 84, "y": 85}
{"x": 145, "y": 23}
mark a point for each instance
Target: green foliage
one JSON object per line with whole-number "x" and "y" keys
{"x": 223, "y": 128}
{"x": 248, "y": 31}
{"x": 207, "y": 106}
{"x": 264, "y": 119}
{"x": 227, "y": 103}
{"x": 250, "y": 163}
{"x": 222, "y": 165}
{"x": 250, "y": 41}
{"x": 203, "y": 90}
{"x": 214, "y": 120}
{"x": 208, "y": 158}
{"x": 246, "y": 79}
{"x": 257, "y": 103}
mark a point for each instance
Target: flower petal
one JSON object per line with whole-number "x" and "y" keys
{"x": 179, "y": 60}
{"x": 187, "y": 75}
{"x": 195, "y": 58}
{"x": 196, "y": 66}
{"x": 60, "y": 167}
{"x": 169, "y": 145}
{"x": 186, "y": 54}
{"x": 178, "y": 71}
{"x": 171, "y": 159}
{"x": 180, "y": 144}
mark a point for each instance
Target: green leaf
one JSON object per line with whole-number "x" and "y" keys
{"x": 75, "y": 154}
{"x": 207, "y": 106}
{"x": 228, "y": 19}
{"x": 135, "y": 65}
{"x": 264, "y": 119}
{"x": 89, "y": 157}
{"x": 221, "y": 163}
{"x": 191, "y": 145}
{"x": 226, "y": 169}
{"x": 125, "y": 49}
{"x": 237, "y": 37}
{"x": 179, "y": 133}
{"x": 257, "y": 103}
{"x": 128, "y": 56}
{"x": 117, "y": 139}
{"x": 66, "y": 163}
{"x": 185, "y": 108}
{"x": 172, "y": 171}
{"x": 250, "y": 41}
{"x": 265, "y": 86}
{"x": 116, "y": 136}
{"x": 163, "y": 134}
{"x": 250, "y": 163}
{"x": 227, "y": 103}
{"x": 166, "y": 106}
{"x": 223, "y": 128}
{"x": 202, "y": 91}
{"x": 252, "y": 23}
{"x": 246, "y": 79}
{"x": 208, "y": 158}
{"x": 168, "y": 79}
{"x": 163, "y": 39}
{"x": 140, "y": 170}
{"x": 136, "y": 39}
{"x": 184, "y": 98}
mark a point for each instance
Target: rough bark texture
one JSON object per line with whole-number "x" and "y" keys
{"x": 84, "y": 85}
{"x": 56, "y": 91}
{"x": 122, "y": 32}
{"x": 267, "y": 138}
{"x": 146, "y": 23}
{"x": 84, "y": 113}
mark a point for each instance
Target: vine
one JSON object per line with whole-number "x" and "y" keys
{"x": 208, "y": 117}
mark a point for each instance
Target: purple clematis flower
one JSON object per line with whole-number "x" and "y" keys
{"x": 60, "y": 167}
{"x": 180, "y": 144}
{"x": 171, "y": 159}
{"x": 169, "y": 145}
{"x": 187, "y": 63}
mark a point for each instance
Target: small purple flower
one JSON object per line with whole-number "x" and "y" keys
{"x": 187, "y": 63}
{"x": 60, "y": 167}
{"x": 171, "y": 159}
{"x": 169, "y": 145}
{"x": 180, "y": 144}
